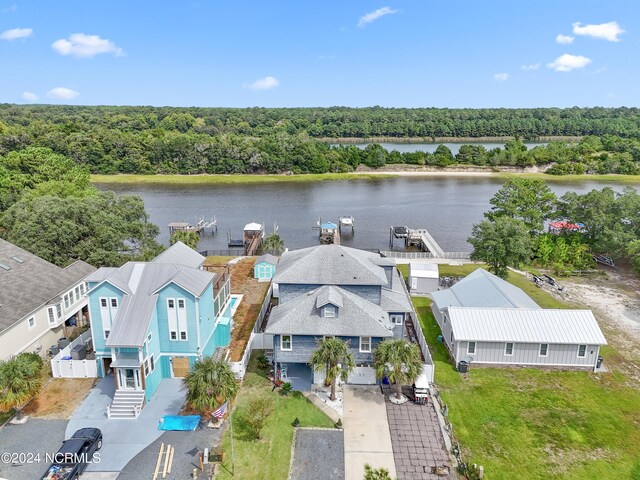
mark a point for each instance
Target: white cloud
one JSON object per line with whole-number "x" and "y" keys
{"x": 16, "y": 33}
{"x": 564, "y": 39}
{"x": 533, "y": 66}
{"x": 501, "y": 77}
{"x": 264, "y": 83}
{"x": 603, "y": 31}
{"x": 62, "y": 93}
{"x": 567, "y": 62}
{"x": 29, "y": 97}
{"x": 86, "y": 46}
{"x": 371, "y": 16}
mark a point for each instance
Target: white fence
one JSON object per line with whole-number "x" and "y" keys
{"x": 417, "y": 255}
{"x": 74, "y": 368}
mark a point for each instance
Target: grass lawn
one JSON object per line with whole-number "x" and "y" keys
{"x": 5, "y": 416}
{"x": 268, "y": 458}
{"x": 536, "y": 424}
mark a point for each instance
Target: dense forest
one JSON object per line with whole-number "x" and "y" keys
{"x": 150, "y": 140}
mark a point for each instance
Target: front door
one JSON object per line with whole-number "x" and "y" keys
{"x": 129, "y": 379}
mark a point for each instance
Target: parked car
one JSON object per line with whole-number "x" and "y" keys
{"x": 74, "y": 455}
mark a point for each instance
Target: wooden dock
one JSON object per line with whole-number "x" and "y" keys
{"x": 200, "y": 227}
{"x": 329, "y": 233}
{"x": 418, "y": 237}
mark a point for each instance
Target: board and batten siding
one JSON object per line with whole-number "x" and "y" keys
{"x": 423, "y": 285}
{"x": 445, "y": 327}
{"x": 304, "y": 346}
{"x": 527, "y": 354}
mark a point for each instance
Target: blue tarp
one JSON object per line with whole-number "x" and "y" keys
{"x": 184, "y": 423}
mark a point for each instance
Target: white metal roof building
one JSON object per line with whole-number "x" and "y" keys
{"x": 423, "y": 277}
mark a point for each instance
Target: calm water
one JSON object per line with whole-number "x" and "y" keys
{"x": 431, "y": 147}
{"x": 447, "y": 206}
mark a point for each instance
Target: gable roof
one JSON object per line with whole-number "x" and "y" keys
{"x": 331, "y": 265}
{"x": 525, "y": 325}
{"x": 268, "y": 258}
{"x": 329, "y": 295}
{"x": 31, "y": 282}
{"x": 483, "y": 289}
{"x": 180, "y": 254}
{"x": 357, "y": 317}
{"x": 141, "y": 282}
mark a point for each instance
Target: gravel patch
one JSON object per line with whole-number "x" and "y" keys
{"x": 36, "y": 437}
{"x": 318, "y": 455}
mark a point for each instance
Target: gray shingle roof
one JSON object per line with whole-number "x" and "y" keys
{"x": 357, "y": 317}
{"x": 30, "y": 285}
{"x": 329, "y": 295}
{"x": 330, "y": 265}
{"x": 267, "y": 257}
{"x": 140, "y": 282}
{"x": 483, "y": 289}
{"x": 525, "y": 325}
{"x": 180, "y": 254}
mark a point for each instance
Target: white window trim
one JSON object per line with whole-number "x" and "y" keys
{"x": 396, "y": 316}
{"x": 546, "y": 352}
{"x": 169, "y": 321}
{"x": 513, "y": 347}
{"x": 469, "y": 352}
{"x": 585, "y": 351}
{"x": 282, "y": 343}
{"x": 333, "y": 311}
{"x": 35, "y": 324}
{"x": 179, "y": 312}
{"x": 51, "y": 315}
{"x": 360, "y": 346}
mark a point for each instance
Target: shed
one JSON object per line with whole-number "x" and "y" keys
{"x": 264, "y": 267}
{"x": 423, "y": 277}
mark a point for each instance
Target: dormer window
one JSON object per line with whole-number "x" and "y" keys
{"x": 330, "y": 311}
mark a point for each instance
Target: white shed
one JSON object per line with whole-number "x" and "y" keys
{"x": 423, "y": 277}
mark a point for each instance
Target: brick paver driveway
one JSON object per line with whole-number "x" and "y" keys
{"x": 418, "y": 444}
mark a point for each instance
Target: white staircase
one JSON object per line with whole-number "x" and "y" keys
{"x": 126, "y": 404}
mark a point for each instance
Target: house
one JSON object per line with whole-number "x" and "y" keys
{"x": 423, "y": 277}
{"x": 39, "y": 301}
{"x": 486, "y": 320}
{"x": 154, "y": 320}
{"x": 264, "y": 267}
{"x": 332, "y": 290}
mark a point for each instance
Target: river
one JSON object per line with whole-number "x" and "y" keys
{"x": 447, "y": 206}
{"x": 431, "y": 147}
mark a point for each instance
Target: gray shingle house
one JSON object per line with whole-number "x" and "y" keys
{"x": 38, "y": 300}
{"x": 487, "y": 320}
{"x": 331, "y": 290}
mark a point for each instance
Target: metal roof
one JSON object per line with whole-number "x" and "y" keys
{"x": 357, "y": 317}
{"x": 31, "y": 282}
{"x": 126, "y": 362}
{"x": 525, "y": 325}
{"x": 483, "y": 289}
{"x": 180, "y": 254}
{"x": 330, "y": 265}
{"x": 423, "y": 270}
{"x": 268, "y": 258}
{"x": 252, "y": 227}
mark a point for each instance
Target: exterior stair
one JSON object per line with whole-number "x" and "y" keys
{"x": 126, "y": 404}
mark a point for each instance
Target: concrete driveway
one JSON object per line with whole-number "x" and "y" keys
{"x": 366, "y": 432}
{"x": 124, "y": 439}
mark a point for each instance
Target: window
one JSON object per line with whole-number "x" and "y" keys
{"x": 285, "y": 342}
{"x": 78, "y": 293}
{"x": 66, "y": 300}
{"x": 396, "y": 319}
{"x": 114, "y": 303}
{"x": 582, "y": 351}
{"x": 149, "y": 366}
{"x": 172, "y": 319}
{"x": 59, "y": 310}
{"x": 83, "y": 288}
{"x": 106, "y": 334}
{"x": 149, "y": 337}
{"x": 544, "y": 349}
{"x": 103, "y": 303}
{"x": 471, "y": 348}
{"x": 508, "y": 349}
{"x": 52, "y": 315}
{"x": 365, "y": 344}
{"x": 451, "y": 337}
{"x": 31, "y": 322}
{"x": 329, "y": 311}
{"x": 182, "y": 319}
{"x": 105, "y": 316}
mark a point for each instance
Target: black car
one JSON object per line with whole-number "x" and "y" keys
{"x": 74, "y": 455}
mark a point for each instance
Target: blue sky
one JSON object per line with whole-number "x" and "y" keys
{"x": 298, "y": 53}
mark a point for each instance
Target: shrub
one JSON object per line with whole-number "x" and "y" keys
{"x": 286, "y": 388}
{"x": 256, "y": 413}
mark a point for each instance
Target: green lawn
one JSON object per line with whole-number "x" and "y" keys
{"x": 268, "y": 458}
{"x": 536, "y": 424}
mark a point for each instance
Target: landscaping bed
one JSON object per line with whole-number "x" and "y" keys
{"x": 59, "y": 398}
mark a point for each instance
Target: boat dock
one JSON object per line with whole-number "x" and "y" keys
{"x": 201, "y": 226}
{"x": 418, "y": 237}
{"x": 347, "y": 222}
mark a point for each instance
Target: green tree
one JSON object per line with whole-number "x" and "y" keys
{"x": 501, "y": 244}
{"x": 371, "y": 473}
{"x": 209, "y": 384}
{"x": 20, "y": 381}
{"x": 190, "y": 238}
{"x": 332, "y": 357}
{"x": 633, "y": 251}
{"x": 256, "y": 413}
{"x": 525, "y": 199}
{"x": 273, "y": 244}
{"x": 398, "y": 360}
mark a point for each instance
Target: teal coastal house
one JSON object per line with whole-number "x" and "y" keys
{"x": 153, "y": 320}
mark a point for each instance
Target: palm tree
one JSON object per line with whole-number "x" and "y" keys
{"x": 188, "y": 237}
{"x": 334, "y": 359}
{"x": 273, "y": 244}
{"x": 210, "y": 383}
{"x": 398, "y": 360}
{"x": 20, "y": 381}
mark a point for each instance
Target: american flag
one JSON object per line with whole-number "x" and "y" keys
{"x": 219, "y": 413}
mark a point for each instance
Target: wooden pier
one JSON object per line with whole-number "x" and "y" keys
{"x": 200, "y": 227}
{"x": 252, "y": 236}
{"x": 418, "y": 237}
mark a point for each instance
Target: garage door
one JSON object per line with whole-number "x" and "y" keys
{"x": 180, "y": 366}
{"x": 362, "y": 376}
